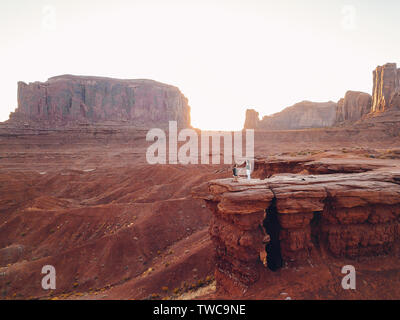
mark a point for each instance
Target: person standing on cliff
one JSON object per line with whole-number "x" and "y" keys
{"x": 235, "y": 173}
{"x": 248, "y": 169}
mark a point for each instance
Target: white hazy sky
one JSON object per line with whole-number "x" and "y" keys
{"x": 225, "y": 56}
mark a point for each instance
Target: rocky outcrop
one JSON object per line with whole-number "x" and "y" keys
{"x": 302, "y": 115}
{"x": 395, "y": 102}
{"x": 386, "y": 88}
{"x": 344, "y": 215}
{"x": 353, "y": 107}
{"x": 71, "y": 99}
{"x": 252, "y": 119}
{"x": 236, "y": 226}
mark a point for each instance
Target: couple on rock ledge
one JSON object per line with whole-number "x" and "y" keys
{"x": 235, "y": 171}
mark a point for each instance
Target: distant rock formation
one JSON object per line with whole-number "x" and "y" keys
{"x": 68, "y": 99}
{"x": 252, "y": 119}
{"x": 386, "y": 89}
{"x": 353, "y": 107}
{"x": 302, "y": 115}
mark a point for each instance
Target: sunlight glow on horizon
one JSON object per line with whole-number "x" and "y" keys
{"x": 224, "y": 56}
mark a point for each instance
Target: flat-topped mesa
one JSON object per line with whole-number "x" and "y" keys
{"x": 69, "y": 99}
{"x": 302, "y": 115}
{"x": 386, "y": 89}
{"x": 344, "y": 215}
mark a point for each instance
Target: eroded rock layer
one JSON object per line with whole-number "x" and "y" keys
{"x": 252, "y": 119}
{"x": 305, "y": 114}
{"x": 347, "y": 215}
{"x": 353, "y": 107}
{"x": 77, "y": 99}
{"x": 386, "y": 89}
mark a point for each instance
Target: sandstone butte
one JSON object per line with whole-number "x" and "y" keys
{"x": 354, "y": 107}
{"x": 352, "y": 213}
{"x": 71, "y": 100}
{"x": 386, "y": 88}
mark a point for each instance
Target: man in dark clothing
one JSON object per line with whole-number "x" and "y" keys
{"x": 235, "y": 172}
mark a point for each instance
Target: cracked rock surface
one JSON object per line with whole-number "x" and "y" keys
{"x": 346, "y": 215}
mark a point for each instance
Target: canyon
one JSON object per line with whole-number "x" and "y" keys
{"x": 77, "y": 192}
{"x": 85, "y": 200}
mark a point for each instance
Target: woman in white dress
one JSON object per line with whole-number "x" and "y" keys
{"x": 248, "y": 169}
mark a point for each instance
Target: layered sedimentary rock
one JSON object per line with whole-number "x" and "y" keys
{"x": 346, "y": 215}
{"x": 302, "y": 115}
{"x": 79, "y": 99}
{"x": 386, "y": 88}
{"x": 236, "y": 226}
{"x": 353, "y": 107}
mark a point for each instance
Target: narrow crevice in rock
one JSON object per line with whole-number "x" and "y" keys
{"x": 315, "y": 225}
{"x": 396, "y": 180}
{"x": 273, "y": 247}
